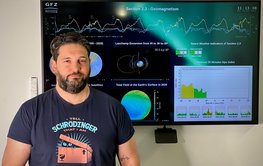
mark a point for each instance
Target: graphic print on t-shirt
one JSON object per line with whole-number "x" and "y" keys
{"x": 73, "y": 151}
{"x": 73, "y": 145}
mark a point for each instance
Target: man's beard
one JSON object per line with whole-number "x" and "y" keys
{"x": 73, "y": 86}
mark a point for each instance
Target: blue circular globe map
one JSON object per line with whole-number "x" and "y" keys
{"x": 95, "y": 64}
{"x": 137, "y": 104}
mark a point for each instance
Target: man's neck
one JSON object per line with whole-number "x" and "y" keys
{"x": 74, "y": 98}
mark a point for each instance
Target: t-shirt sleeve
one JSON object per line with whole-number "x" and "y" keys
{"x": 125, "y": 127}
{"x": 20, "y": 128}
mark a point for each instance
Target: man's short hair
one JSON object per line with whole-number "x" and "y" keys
{"x": 67, "y": 38}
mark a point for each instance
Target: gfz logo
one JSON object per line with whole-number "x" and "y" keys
{"x": 51, "y": 4}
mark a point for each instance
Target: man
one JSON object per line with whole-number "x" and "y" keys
{"x": 71, "y": 124}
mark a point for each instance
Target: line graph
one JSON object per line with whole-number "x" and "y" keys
{"x": 96, "y": 25}
{"x": 243, "y": 26}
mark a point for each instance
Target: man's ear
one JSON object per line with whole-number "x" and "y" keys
{"x": 53, "y": 64}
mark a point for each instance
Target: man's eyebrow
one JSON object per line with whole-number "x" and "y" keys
{"x": 66, "y": 57}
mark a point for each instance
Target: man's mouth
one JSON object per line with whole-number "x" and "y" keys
{"x": 75, "y": 76}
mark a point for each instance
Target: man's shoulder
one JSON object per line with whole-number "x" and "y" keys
{"x": 106, "y": 101}
{"x": 96, "y": 93}
{"x": 45, "y": 96}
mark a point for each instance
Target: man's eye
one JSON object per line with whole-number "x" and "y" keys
{"x": 66, "y": 61}
{"x": 83, "y": 60}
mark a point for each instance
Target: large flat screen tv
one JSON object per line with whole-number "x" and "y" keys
{"x": 167, "y": 62}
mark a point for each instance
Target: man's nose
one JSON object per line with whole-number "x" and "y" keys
{"x": 76, "y": 66}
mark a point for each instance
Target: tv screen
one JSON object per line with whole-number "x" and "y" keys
{"x": 167, "y": 62}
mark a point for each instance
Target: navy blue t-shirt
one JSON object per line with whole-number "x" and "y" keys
{"x": 64, "y": 134}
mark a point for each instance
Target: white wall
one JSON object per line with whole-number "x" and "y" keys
{"x": 20, "y": 58}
